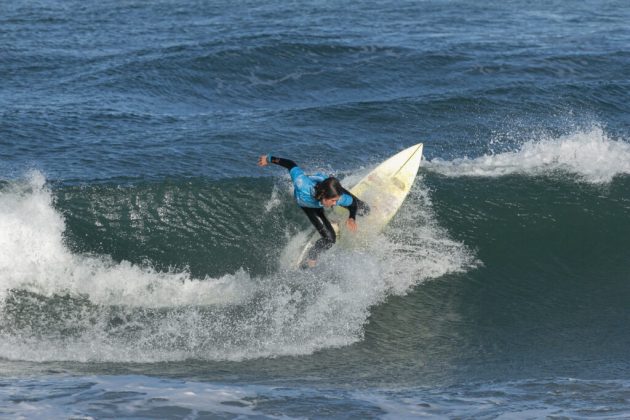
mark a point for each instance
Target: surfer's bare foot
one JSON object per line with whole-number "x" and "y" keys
{"x": 311, "y": 263}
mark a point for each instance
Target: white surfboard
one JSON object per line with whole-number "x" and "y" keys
{"x": 384, "y": 189}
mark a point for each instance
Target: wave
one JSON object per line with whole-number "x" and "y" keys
{"x": 60, "y": 304}
{"x": 590, "y": 154}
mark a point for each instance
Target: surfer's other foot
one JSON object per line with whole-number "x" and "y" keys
{"x": 308, "y": 264}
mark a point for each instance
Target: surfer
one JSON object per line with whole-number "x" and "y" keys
{"x": 313, "y": 194}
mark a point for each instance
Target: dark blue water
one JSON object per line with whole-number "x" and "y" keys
{"x": 144, "y": 256}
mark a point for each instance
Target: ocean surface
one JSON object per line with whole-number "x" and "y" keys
{"x": 144, "y": 255}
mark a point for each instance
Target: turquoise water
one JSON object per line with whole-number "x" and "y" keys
{"x": 144, "y": 273}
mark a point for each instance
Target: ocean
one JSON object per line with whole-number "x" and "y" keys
{"x": 144, "y": 255}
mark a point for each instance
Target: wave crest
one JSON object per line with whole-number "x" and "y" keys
{"x": 591, "y": 155}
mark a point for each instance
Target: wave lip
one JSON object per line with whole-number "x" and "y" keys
{"x": 36, "y": 259}
{"x": 591, "y": 155}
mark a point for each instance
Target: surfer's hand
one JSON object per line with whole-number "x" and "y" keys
{"x": 262, "y": 160}
{"x": 351, "y": 224}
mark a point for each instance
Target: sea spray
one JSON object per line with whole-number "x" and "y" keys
{"x": 590, "y": 154}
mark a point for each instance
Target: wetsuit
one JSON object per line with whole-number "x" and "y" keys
{"x": 304, "y": 193}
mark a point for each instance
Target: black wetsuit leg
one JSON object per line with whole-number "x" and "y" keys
{"x": 325, "y": 229}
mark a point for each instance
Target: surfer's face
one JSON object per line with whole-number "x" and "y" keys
{"x": 329, "y": 202}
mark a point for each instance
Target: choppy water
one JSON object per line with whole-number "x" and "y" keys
{"x": 143, "y": 263}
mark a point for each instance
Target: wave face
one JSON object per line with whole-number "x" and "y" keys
{"x": 62, "y": 304}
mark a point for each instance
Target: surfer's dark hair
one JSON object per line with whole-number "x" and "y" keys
{"x": 328, "y": 188}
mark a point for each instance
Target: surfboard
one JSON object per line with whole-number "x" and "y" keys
{"x": 384, "y": 189}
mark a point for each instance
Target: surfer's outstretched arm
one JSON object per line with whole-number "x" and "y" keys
{"x": 264, "y": 160}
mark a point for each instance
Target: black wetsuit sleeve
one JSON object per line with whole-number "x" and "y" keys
{"x": 352, "y": 208}
{"x": 286, "y": 163}
{"x": 357, "y": 207}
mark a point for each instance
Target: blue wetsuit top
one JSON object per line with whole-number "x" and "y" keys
{"x": 304, "y": 187}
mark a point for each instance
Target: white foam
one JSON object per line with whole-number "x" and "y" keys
{"x": 591, "y": 155}
{"x": 274, "y": 201}
{"x": 137, "y": 314}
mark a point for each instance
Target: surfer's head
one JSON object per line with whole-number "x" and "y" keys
{"x": 328, "y": 191}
